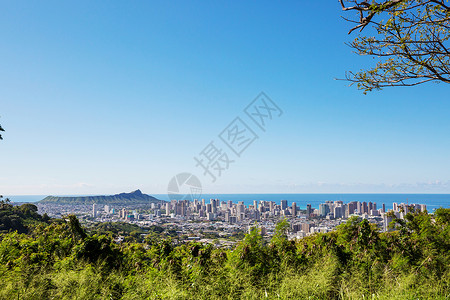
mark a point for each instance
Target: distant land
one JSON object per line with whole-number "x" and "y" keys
{"x": 431, "y": 200}
{"x": 136, "y": 197}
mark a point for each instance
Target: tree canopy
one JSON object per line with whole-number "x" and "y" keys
{"x": 62, "y": 260}
{"x": 409, "y": 39}
{"x": 19, "y": 218}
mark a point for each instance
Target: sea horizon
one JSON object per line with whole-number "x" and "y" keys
{"x": 432, "y": 201}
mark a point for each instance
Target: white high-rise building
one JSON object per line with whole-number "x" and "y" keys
{"x": 94, "y": 210}
{"x": 167, "y": 209}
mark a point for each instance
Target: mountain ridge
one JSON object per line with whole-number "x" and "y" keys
{"x": 135, "y": 197}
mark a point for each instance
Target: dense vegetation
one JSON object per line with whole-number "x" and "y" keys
{"x": 19, "y": 218}
{"x": 61, "y": 260}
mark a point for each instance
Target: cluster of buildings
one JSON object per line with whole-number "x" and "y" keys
{"x": 399, "y": 211}
{"x": 106, "y": 213}
{"x": 337, "y": 209}
{"x": 227, "y": 218}
{"x": 230, "y": 212}
{"x": 263, "y": 210}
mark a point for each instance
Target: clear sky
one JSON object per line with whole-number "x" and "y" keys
{"x": 106, "y": 97}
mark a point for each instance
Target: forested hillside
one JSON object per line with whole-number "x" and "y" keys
{"x": 61, "y": 260}
{"x": 19, "y": 218}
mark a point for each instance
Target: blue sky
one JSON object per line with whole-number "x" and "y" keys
{"x": 106, "y": 97}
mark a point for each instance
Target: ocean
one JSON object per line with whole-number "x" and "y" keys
{"x": 432, "y": 201}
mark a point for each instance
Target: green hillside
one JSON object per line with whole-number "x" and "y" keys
{"x": 136, "y": 197}
{"x": 63, "y": 261}
{"x": 19, "y": 218}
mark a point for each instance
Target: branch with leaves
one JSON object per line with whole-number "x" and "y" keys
{"x": 409, "y": 38}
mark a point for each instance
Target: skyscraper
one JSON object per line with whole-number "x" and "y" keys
{"x": 240, "y": 211}
{"x": 94, "y": 210}
{"x": 323, "y": 209}
{"x": 294, "y": 209}
{"x": 337, "y": 212}
{"x": 271, "y": 206}
{"x": 365, "y": 208}
{"x": 308, "y": 209}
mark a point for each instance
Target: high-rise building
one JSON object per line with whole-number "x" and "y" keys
{"x": 386, "y": 221}
{"x": 306, "y": 227}
{"x": 423, "y": 207}
{"x": 181, "y": 208}
{"x": 261, "y": 208}
{"x": 223, "y": 206}
{"x": 283, "y": 204}
{"x": 94, "y": 210}
{"x": 351, "y": 208}
{"x": 227, "y": 216}
{"x": 294, "y": 209}
{"x": 240, "y": 211}
{"x": 337, "y": 212}
{"x": 365, "y": 208}
{"x": 323, "y": 209}
{"x": 308, "y": 209}
{"x": 257, "y": 215}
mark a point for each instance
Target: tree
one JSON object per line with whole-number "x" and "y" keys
{"x": 5, "y": 203}
{"x": 75, "y": 226}
{"x": 409, "y": 38}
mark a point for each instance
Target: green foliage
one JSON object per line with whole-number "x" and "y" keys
{"x": 77, "y": 231}
{"x": 61, "y": 261}
{"x": 410, "y": 40}
{"x": 19, "y": 218}
{"x": 131, "y": 232}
